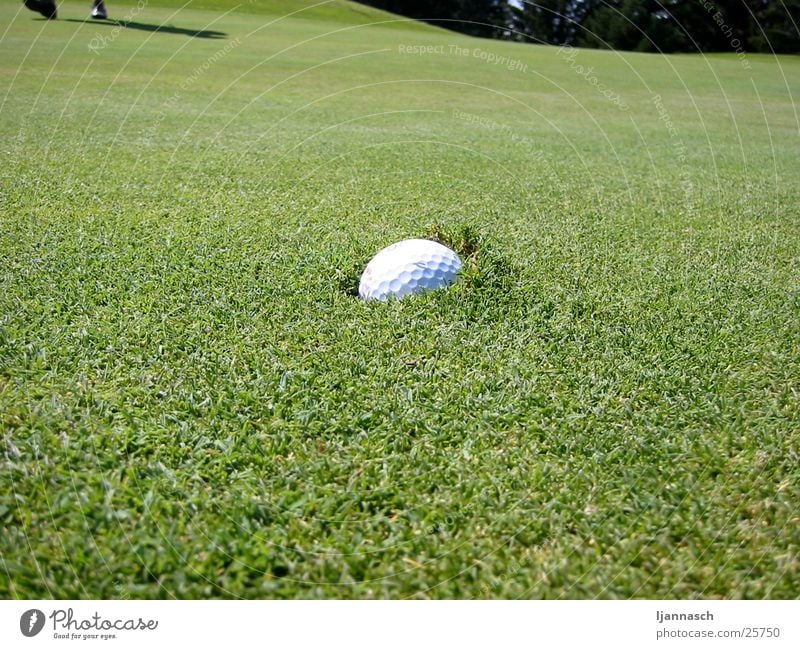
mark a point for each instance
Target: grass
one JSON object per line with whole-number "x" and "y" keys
{"x": 194, "y": 404}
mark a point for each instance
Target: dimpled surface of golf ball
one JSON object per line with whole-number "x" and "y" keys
{"x": 409, "y": 266}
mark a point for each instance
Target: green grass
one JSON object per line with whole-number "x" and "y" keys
{"x": 194, "y": 404}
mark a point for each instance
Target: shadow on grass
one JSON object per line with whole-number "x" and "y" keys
{"x": 147, "y": 27}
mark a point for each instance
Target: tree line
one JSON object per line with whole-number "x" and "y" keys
{"x": 637, "y": 25}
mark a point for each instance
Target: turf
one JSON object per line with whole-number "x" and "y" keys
{"x": 194, "y": 404}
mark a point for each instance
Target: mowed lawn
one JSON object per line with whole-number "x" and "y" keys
{"x": 193, "y": 403}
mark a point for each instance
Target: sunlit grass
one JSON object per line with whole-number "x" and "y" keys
{"x": 194, "y": 403}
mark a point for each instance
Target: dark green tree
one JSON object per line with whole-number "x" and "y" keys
{"x": 775, "y": 27}
{"x": 641, "y": 25}
{"x": 554, "y": 22}
{"x": 489, "y": 18}
{"x": 692, "y": 26}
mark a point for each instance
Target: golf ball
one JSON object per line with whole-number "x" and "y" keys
{"x": 409, "y": 266}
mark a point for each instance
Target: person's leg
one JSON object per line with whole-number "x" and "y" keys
{"x": 45, "y": 7}
{"x": 99, "y": 10}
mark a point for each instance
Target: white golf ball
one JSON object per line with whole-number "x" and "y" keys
{"x": 409, "y": 266}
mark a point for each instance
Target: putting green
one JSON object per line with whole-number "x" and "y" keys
{"x": 194, "y": 404}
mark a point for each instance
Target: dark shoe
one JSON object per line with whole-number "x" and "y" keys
{"x": 99, "y": 10}
{"x": 45, "y": 7}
